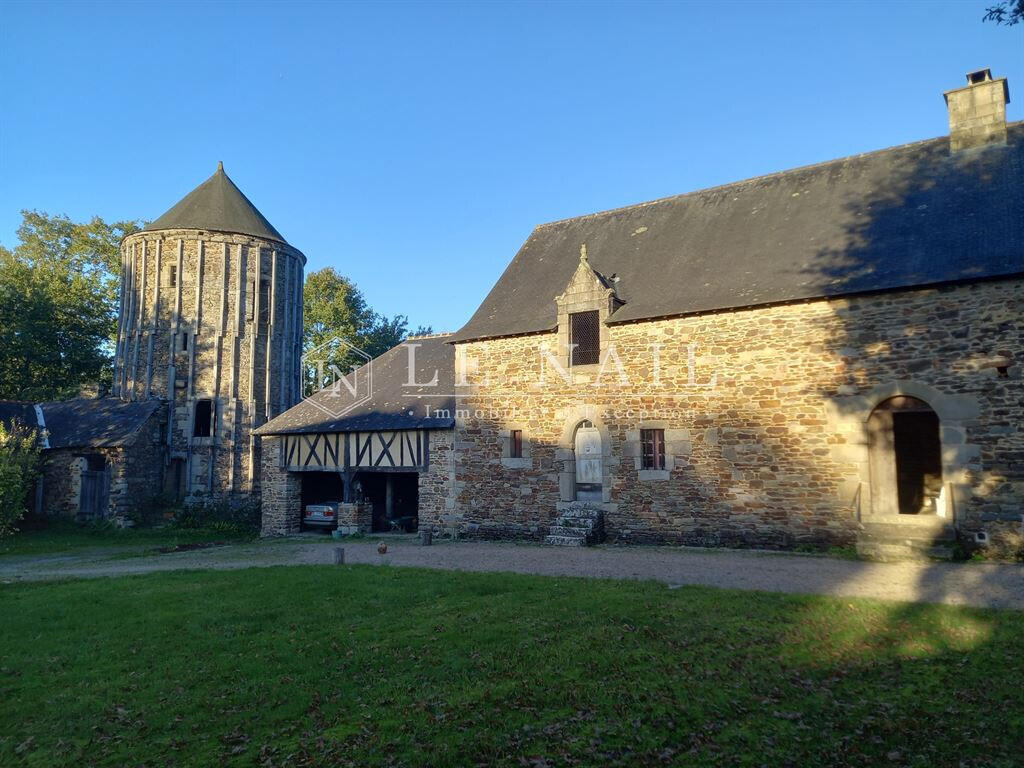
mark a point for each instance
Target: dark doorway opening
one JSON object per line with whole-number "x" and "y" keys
{"x": 321, "y": 488}
{"x": 394, "y": 500}
{"x": 324, "y": 490}
{"x": 174, "y": 480}
{"x": 202, "y": 425}
{"x": 918, "y": 460}
{"x": 906, "y": 457}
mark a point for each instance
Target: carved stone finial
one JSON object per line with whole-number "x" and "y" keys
{"x": 220, "y": 166}
{"x": 583, "y": 254}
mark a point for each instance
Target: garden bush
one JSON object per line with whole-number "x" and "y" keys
{"x": 19, "y": 466}
{"x": 229, "y": 517}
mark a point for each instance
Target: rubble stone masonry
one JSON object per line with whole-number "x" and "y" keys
{"x": 763, "y": 411}
{"x": 208, "y": 315}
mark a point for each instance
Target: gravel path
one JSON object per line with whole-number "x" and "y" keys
{"x": 987, "y": 585}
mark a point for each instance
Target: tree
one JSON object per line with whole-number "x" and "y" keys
{"x": 1008, "y": 12}
{"x": 333, "y": 307}
{"x": 19, "y": 462}
{"x": 58, "y": 305}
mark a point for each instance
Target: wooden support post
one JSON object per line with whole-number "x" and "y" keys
{"x": 389, "y": 499}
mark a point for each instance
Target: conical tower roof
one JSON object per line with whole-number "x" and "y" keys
{"x": 219, "y": 206}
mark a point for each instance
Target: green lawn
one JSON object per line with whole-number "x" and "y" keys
{"x": 362, "y": 665}
{"x": 69, "y": 537}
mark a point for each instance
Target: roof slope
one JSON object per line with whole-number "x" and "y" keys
{"x": 902, "y": 217}
{"x": 95, "y": 423}
{"x": 219, "y": 206}
{"x": 392, "y": 403}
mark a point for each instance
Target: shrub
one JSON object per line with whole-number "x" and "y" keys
{"x": 155, "y": 512}
{"x": 229, "y": 517}
{"x": 19, "y": 465}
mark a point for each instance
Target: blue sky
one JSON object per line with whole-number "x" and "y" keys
{"x": 414, "y": 146}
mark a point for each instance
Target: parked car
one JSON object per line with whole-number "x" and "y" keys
{"x": 322, "y": 515}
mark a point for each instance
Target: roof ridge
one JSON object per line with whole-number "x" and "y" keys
{"x": 439, "y": 334}
{"x": 773, "y": 174}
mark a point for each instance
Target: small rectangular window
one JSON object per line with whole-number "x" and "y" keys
{"x": 652, "y": 445}
{"x": 585, "y": 338}
{"x": 172, "y": 276}
{"x": 183, "y": 341}
{"x": 264, "y": 302}
{"x": 515, "y": 444}
{"x": 202, "y": 424}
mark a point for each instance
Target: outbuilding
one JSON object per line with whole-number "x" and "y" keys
{"x": 377, "y": 447}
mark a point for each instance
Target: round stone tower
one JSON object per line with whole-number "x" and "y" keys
{"x": 211, "y": 322}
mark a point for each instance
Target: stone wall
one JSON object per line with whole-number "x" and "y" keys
{"x": 761, "y": 412}
{"x": 355, "y": 516}
{"x": 436, "y": 483}
{"x": 281, "y": 496}
{"x": 61, "y": 472}
{"x": 138, "y": 476}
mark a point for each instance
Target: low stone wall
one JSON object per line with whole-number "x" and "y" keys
{"x": 357, "y": 516}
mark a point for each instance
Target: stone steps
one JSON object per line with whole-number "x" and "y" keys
{"x": 918, "y": 539}
{"x": 577, "y": 526}
{"x": 566, "y": 541}
{"x": 568, "y": 530}
{"x": 929, "y": 531}
{"x": 900, "y": 552}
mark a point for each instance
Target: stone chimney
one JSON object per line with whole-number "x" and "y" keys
{"x": 977, "y": 113}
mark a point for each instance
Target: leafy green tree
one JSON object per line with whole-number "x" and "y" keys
{"x": 19, "y": 463}
{"x": 1008, "y": 12}
{"x": 58, "y": 305}
{"x": 333, "y": 307}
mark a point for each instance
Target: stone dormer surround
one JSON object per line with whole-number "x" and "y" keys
{"x": 586, "y": 291}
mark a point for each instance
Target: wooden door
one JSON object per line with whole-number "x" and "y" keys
{"x": 882, "y": 464}
{"x": 93, "y": 499}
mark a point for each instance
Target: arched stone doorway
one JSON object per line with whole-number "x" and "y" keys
{"x": 588, "y": 456}
{"x": 905, "y": 456}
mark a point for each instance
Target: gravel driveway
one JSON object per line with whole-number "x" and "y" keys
{"x": 988, "y": 585}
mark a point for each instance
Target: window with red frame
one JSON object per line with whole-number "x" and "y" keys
{"x": 652, "y": 448}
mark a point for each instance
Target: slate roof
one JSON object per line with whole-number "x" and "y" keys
{"x": 392, "y": 404}
{"x": 903, "y": 217}
{"x": 219, "y": 206}
{"x": 95, "y": 423}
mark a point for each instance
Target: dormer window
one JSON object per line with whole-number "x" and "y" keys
{"x": 585, "y": 338}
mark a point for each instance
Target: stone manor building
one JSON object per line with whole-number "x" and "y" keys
{"x": 820, "y": 356}
{"x": 826, "y": 355}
